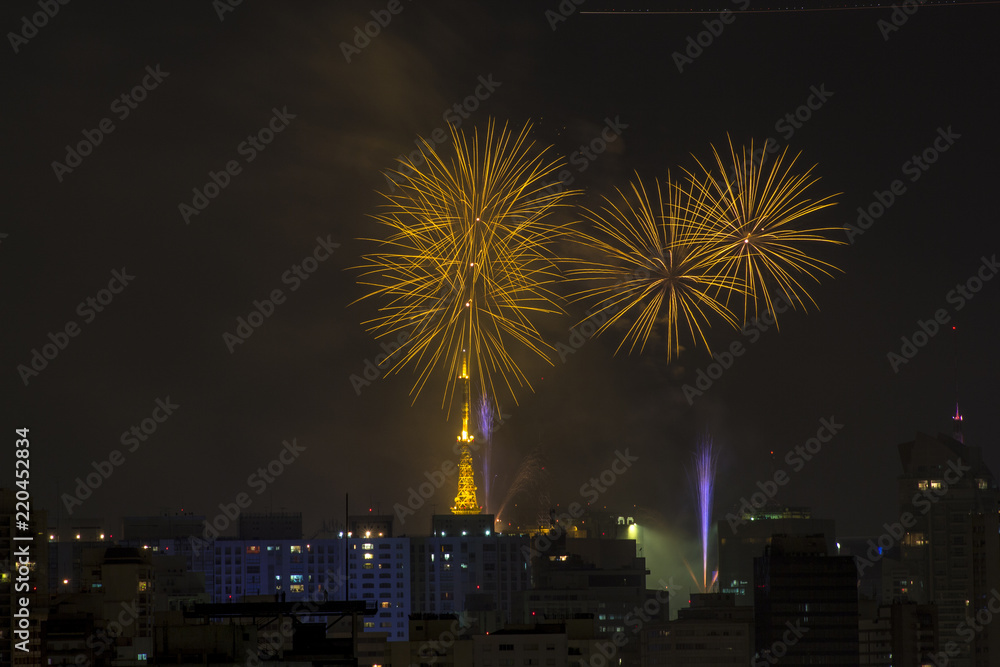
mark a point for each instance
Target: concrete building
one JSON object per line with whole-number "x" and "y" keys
{"x": 948, "y": 500}
{"x": 805, "y": 603}
{"x": 597, "y": 578}
{"x": 745, "y": 535}
{"x": 713, "y": 630}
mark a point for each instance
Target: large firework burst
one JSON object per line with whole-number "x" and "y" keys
{"x": 467, "y": 261}
{"x": 723, "y": 239}
{"x": 658, "y": 264}
{"x": 756, "y": 216}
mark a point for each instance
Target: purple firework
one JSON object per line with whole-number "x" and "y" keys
{"x": 484, "y": 417}
{"x": 705, "y": 462}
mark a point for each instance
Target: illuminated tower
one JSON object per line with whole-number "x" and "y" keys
{"x": 465, "y": 501}
{"x": 957, "y": 426}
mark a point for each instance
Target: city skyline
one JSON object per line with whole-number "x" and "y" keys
{"x": 123, "y": 267}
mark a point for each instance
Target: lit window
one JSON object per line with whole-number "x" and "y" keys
{"x": 936, "y": 484}
{"x": 296, "y": 549}
{"x": 367, "y": 546}
{"x": 922, "y": 485}
{"x": 369, "y": 556}
{"x": 253, "y": 550}
{"x": 296, "y": 578}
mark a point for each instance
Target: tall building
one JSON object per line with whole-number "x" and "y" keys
{"x": 901, "y": 634}
{"x": 600, "y": 579}
{"x": 465, "y": 567}
{"x": 744, "y": 536}
{"x": 713, "y": 630}
{"x": 379, "y": 574}
{"x": 805, "y": 604}
{"x": 948, "y": 501}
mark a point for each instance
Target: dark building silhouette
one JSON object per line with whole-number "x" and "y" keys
{"x": 713, "y": 630}
{"x": 744, "y": 536}
{"x": 805, "y": 603}
{"x": 950, "y": 551}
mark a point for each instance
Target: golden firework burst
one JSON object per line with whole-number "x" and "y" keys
{"x": 658, "y": 265}
{"x": 756, "y": 214}
{"x": 468, "y": 260}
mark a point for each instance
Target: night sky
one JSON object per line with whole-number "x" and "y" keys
{"x": 211, "y": 75}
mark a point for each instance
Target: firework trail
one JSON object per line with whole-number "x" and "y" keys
{"x": 486, "y": 423}
{"x": 529, "y": 474}
{"x": 705, "y": 464}
{"x": 468, "y": 259}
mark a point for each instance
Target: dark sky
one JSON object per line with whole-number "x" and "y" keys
{"x": 342, "y": 124}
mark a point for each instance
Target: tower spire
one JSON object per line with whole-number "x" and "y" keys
{"x": 956, "y": 422}
{"x": 465, "y": 501}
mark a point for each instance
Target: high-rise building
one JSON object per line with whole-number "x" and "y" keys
{"x": 948, "y": 501}
{"x": 805, "y": 603}
{"x": 744, "y": 536}
{"x": 599, "y": 578}
{"x": 713, "y": 630}
{"x": 465, "y": 566}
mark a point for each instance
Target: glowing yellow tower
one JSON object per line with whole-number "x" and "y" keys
{"x": 465, "y": 501}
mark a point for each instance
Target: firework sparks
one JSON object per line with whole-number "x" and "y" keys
{"x": 468, "y": 260}
{"x": 529, "y": 475}
{"x": 705, "y": 464}
{"x": 660, "y": 264}
{"x": 756, "y": 217}
{"x": 678, "y": 260}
